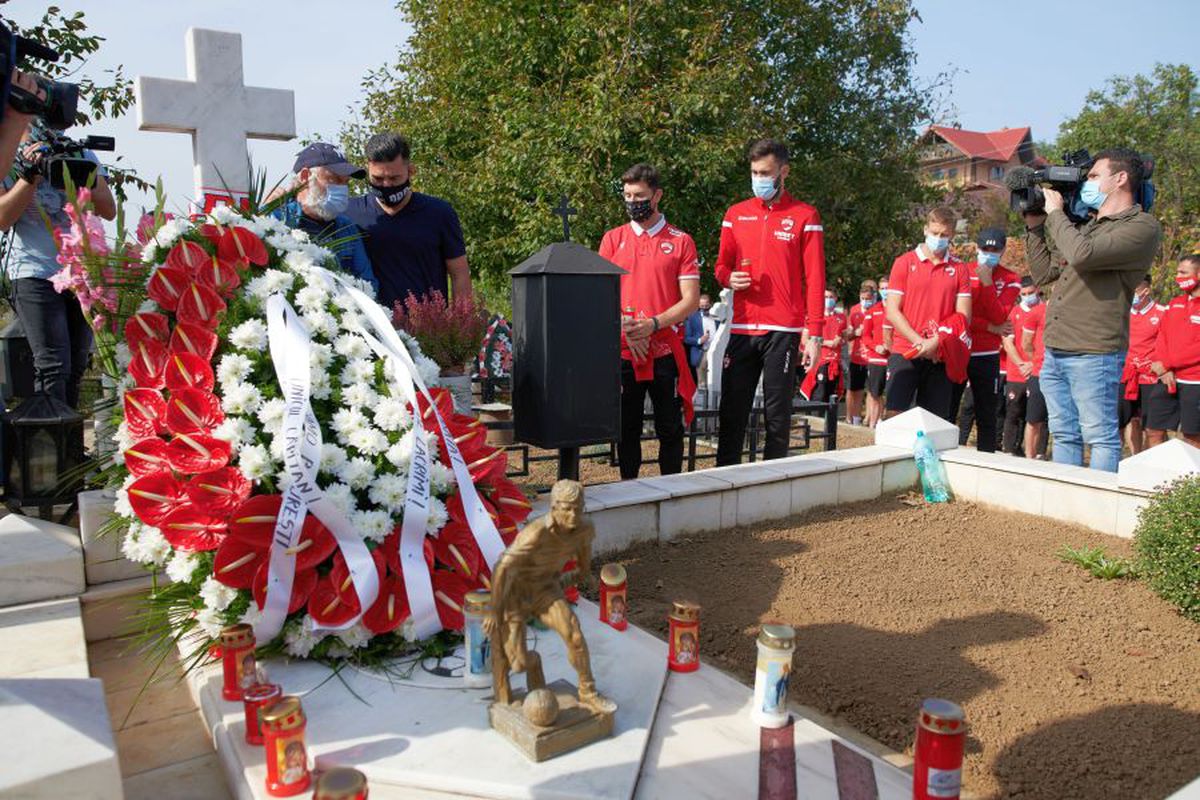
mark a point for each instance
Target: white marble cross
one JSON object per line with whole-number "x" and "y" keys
{"x": 220, "y": 112}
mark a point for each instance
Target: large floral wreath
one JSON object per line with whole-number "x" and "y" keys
{"x": 201, "y": 460}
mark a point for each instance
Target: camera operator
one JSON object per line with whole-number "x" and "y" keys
{"x": 31, "y": 208}
{"x": 13, "y": 124}
{"x": 1095, "y": 267}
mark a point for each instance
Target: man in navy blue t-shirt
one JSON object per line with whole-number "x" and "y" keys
{"x": 414, "y": 240}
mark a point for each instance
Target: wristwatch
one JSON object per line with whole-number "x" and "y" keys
{"x": 654, "y": 322}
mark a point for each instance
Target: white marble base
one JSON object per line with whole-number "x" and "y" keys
{"x": 43, "y": 640}
{"x": 57, "y": 741}
{"x": 39, "y": 560}
{"x": 901, "y": 430}
{"x": 1150, "y": 469}
{"x": 102, "y": 559}
{"x": 431, "y": 734}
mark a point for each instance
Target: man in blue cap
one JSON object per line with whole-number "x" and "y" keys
{"x": 323, "y": 175}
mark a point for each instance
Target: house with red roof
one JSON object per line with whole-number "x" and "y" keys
{"x": 974, "y": 161}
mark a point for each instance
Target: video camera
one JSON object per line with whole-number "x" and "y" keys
{"x": 62, "y": 99}
{"x": 1025, "y": 185}
{"x": 62, "y": 156}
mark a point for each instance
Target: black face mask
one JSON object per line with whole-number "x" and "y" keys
{"x": 391, "y": 195}
{"x": 638, "y": 210}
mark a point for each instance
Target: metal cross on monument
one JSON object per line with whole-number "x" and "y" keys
{"x": 220, "y": 112}
{"x": 565, "y": 211}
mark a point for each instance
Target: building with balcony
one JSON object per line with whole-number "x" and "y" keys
{"x": 974, "y": 162}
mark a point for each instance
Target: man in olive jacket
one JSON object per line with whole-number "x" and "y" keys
{"x": 1094, "y": 267}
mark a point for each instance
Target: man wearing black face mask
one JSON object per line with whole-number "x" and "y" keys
{"x": 414, "y": 240}
{"x": 660, "y": 289}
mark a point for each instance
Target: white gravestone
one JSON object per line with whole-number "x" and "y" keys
{"x": 220, "y": 112}
{"x": 715, "y": 354}
{"x": 901, "y": 430}
{"x": 1153, "y": 468}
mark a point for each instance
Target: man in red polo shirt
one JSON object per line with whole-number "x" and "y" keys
{"x": 772, "y": 255}
{"x": 826, "y": 379}
{"x": 856, "y": 317}
{"x": 926, "y": 286}
{"x": 994, "y": 292}
{"x": 1018, "y": 368}
{"x": 1138, "y": 382}
{"x": 877, "y": 355}
{"x": 1033, "y": 327}
{"x": 1177, "y": 359}
{"x": 660, "y": 289}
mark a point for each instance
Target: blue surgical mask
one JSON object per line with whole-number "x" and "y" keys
{"x": 867, "y": 303}
{"x": 764, "y": 188}
{"x": 936, "y": 244}
{"x": 883, "y": 294}
{"x": 830, "y": 303}
{"x": 988, "y": 259}
{"x": 1091, "y": 196}
{"x": 333, "y": 200}
{"x": 1030, "y": 300}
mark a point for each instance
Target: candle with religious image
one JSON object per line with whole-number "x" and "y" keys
{"x": 283, "y": 727}
{"x": 256, "y": 698}
{"x": 341, "y": 783}
{"x": 237, "y": 661}
{"x": 938, "y": 755}
{"x": 613, "y": 602}
{"x": 776, "y": 643}
{"x": 683, "y": 637}
{"x": 477, "y": 644}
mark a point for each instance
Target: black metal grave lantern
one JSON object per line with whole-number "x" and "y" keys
{"x": 43, "y": 451}
{"x": 566, "y": 351}
{"x": 16, "y": 362}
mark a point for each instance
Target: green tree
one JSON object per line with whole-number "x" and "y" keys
{"x": 511, "y": 104}
{"x": 1158, "y": 115}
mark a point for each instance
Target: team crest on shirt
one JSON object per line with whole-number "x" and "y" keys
{"x": 787, "y": 223}
{"x": 667, "y": 247}
{"x": 950, "y": 271}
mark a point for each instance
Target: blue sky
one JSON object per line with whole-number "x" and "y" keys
{"x": 1009, "y": 73}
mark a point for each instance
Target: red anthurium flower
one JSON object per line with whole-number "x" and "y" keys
{"x": 212, "y": 233}
{"x": 187, "y": 371}
{"x": 155, "y": 496}
{"x": 449, "y": 589}
{"x": 391, "y": 551}
{"x": 145, "y": 412}
{"x": 240, "y": 244}
{"x": 510, "y": 501}
{"x": 166, "y": 287}
{"x": 253, "y": 520}
{"x": 340, "y": 573}
{"x": 193, "y": 411}
{"x": 147, "y": 457}
{"x": 445, "y": 406}
{"x": 237, "y": 561}
{"x": 193, "y": 339}
{"x": 329, "y": 608}
{"x": 489, "y": 467}
{"x": 187, "y": 256}
{"x": 220, "y": 275}
{"x": 455, "y": 548}
{"x": 200, "y": 305}
{"x": 146, "y": 325}
{"x": 471, "y": 441}
{"x": 192, "y": 453}
{"x": 390, "y": 609}
{"x": 219, "y": 491}
{"x": 302, "y": 586}
{"x": 190, "y": 528}
{"x": 149, "y": 363}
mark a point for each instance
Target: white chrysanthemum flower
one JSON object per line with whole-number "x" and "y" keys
{"x": 233, "y": 369}
{"x": 281, "y": 241}
{"x": 300, "y": 638}
{"x": 332, "y": 458}
{"x": 369, "y": 440}
{"x": 241, "y": 398}
{"x": 319, "y": 357}
{"x": 355, "y": 636}
{"x": 298, "y": 260}
{"x": 123, "y": 438}
{"x": 441, "y": 478}
{"x": 300, "y": 235}
{"x": 147, "y": 306}
{"x": 351, "y": 345}
{"x": 271, "y": 413}
{"x": 391, "y": 414}
{"x": 223, "y": 215}
{"x": 252, "y": 614}
{"x": 236, "y": 430}
{"x": 321, "y": 278}
{"x": 132, "y": 547}
{"x": 352, "y": 320}
{"x": 150, "y": 252}
{"x": 250, "y": 335}
{"x": 254, "y": 461}
{"x": 209, "y": 620}
{"x": 123, "y": 356}
{"x": 170, "y": 231}
{"x": 276, "y": 447}
{"x": 347, "y": 421}
{"x": 438, "y": 516}
{"x": 342, "y": 498}
{"x": 429, "y": 371}
{"x": 121, "y": 504}
{"x": 360, "y": 395}
{"x": 319, "y": 388}
{"x": 358, "y": 370}
{"x": 320, "y": 323}
{"x": 388, "y": 492}
{"x": 344, "y": 301}
{"x": 311, "y": 299}
{"x": 257, "y": 289}
{"x": 374, "y": 525}
{"x": 278, "y": 281}
{"x": 181, "y": 566}
{"x": 358, "y": 472}
{"x": 155, "y": 546}
{"x": 216, "y": 595}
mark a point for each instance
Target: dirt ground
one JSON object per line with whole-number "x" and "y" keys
{"x": 1073, "y": 687}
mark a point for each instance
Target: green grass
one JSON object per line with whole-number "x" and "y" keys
{"x": 1097, "y": 562}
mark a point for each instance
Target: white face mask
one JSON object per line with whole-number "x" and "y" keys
{"x": 1030, "y": 300}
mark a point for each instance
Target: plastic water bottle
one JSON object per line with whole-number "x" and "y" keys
{"x": 933, "y": 474}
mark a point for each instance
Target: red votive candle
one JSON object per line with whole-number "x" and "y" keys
{"x": 237, "y": 659}
{"x": 683, "y": 638}
{"x": 256, "y": 698}
{"x": 938, "y": 756}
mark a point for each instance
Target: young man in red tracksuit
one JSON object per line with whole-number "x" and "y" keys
{"x": 1140, "y": 388}
{"x": 1177, "y": 359}
{"x": 994, "y": 292}
{"x": 772, "y": 255}
{"x": 660, "y": 289}
{"x": 1033, "y": 328}
{"x": 826, "y": 379}
{"x": 856, "y": 317}
{"x": 926, "y": 286}
{"x": 876, "y": 351}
